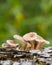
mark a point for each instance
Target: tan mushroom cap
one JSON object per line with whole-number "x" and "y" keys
{"x": 41, "y": 40}
{"x": 30, "y": 36}
{"x": 19, "y": 38}
{"x": 4, "y": 45}
{"x": 12, "y": 43}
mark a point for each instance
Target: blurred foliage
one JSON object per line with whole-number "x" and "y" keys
{"x": 23, "y": 16}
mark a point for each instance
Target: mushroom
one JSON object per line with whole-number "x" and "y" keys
{"x": 12, "y": 43}
{"x": 30, "y": 37}
{"x": 5, "y": 45}
{"x": 40, "y": 42}
{"x": 23, "y": 42}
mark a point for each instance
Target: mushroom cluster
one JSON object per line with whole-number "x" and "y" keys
{"x": 29, "y": 41}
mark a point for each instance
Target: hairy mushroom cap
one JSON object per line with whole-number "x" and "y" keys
{"x": 4, "y": 45}
{"x": 30, "y": 36}
{"x": 41, "y": 40}
{"x": 12, "y": 43}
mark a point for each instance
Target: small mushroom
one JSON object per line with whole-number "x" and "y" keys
{"x": 5, "y": 45}
{"x": 23, "y": 42}
{"x": 40, "y": 42}
{"x": 12, "y": 43}
{"x": 30, "y": 37}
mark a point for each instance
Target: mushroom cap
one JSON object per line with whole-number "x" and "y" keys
{"x": 12, "y": 43}
{"x": 19, "y": 38}
{"x": 4, "y": 45}
{"x": 40, "y": 39}
{"x": 30, "y": 36}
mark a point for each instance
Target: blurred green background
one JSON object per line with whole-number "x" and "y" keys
{"x": 23, "y": 16}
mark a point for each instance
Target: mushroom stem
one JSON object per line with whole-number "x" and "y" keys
{"x": 23, "y": 46}
{"x": 39, "y": 45}
{"x": 35, "y": 44}
{"x": 32, "y": 45}
{"x": 28, "y": 47}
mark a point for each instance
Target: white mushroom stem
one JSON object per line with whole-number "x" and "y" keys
{"x": 18, "y": 37}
